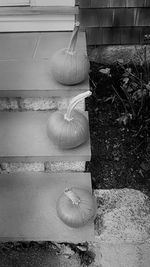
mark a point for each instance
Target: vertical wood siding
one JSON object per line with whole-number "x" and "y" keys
{"x": 115, "y": 21}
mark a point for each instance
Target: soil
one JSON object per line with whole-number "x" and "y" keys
{"x": 44, "y": 254}
{"x": 120, "y": 152}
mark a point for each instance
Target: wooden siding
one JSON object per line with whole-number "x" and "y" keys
{"x": 113, "y": 3}
{"x": 115, "y": 21}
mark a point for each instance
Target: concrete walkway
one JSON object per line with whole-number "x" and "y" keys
{"x": 122, "y": 229}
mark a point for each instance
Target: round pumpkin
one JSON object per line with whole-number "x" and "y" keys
{"x": 68, "y": 134}
{"x": 76, "y": 207}
{"x": 70, "y": 66}
{"x": 69, "y": 128}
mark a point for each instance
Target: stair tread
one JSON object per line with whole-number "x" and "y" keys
{"x": 25, "y": 64}
{"x": 39, "y": 10}
{"x": 27, "y": 207}
{"x": 23, "y": 138}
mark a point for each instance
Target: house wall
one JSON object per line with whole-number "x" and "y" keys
{"x": 115, "y": 22}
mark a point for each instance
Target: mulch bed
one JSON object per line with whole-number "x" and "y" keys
{"x": 120, "y": 144}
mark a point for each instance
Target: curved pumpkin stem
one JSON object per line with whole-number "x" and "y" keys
{"x": 72, "y": 196}
{"x": 74, "y": 102}
{"x": 73, "y": 40}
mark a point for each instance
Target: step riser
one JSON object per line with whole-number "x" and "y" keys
{"x": 60, "y": 166}
{"x": 34, "y": 104}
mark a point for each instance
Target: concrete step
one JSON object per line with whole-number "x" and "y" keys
{"x": 38, "y": 10}
{"x": 37, "y": 18}
{"x": 28, "y": 207}
{"x": 25, "y": 64}
{"x": 23, "y": 138}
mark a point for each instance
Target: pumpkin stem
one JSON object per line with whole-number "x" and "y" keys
{"x": 73, "y": 40}
{"x": 72, "y": 196}
{"x": 74, "y": 102}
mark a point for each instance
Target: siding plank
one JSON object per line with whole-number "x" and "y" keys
{"x": 143, "y": 17}
{"x": 103, "y": 36}
{"x": 117, "y": 3}
{"x": 111, "y": 35}
{"x": 96, "y": 17}
{"x": 114, "y": 3}
{"x": 88, "y": 18}
{"x": 117, "y": 17}
{"x": 115, "y": 21}
{"x": 105, "y": 17}
{"x": 123, "y": 17}
{"x": 99, "y": 4}
{"x": 108, "y": 4}
{"x": 137, "y": 3}
{"x": 130, "y": 35}
{"x": 85, "y": 3}
{"x": 118, "y": 35}
{"x": 94, "y": 36}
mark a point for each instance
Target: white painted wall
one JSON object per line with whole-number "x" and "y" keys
{"x": 22, "y": 22}
{"x": 14, "y": 2}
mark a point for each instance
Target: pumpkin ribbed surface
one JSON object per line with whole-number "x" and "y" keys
{"x": 68, "y": 134}
{"x": 70, "y": 68}
{"x": 76, "y": 215}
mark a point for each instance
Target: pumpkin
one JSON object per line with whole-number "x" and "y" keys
{"x": 69, "y": 128}
{"x": 69, "y": 66}
{"x": 76, "y": 207}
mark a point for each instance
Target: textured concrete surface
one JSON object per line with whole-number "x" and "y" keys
{"x": 121, "y": 255}
{"x": 6, "y": 167}
{"x": 25, "y": 104}
{"x": 54, "y": 166}
{"x": 123, "y": 216}
{"x": 76, "y": 166}
{"x": 122, "y": 229}
{"x": 109, "y": 54}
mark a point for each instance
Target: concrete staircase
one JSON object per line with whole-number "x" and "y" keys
{"x": 34, "y": 172}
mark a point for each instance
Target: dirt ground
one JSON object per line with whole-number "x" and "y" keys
{"x": 120, "y": 155}
{"x": 44, "y": 254}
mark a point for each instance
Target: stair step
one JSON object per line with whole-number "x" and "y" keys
{"x": 25, "y": 67}
{"x": 27, "y": 207}
{"x": 23, "y": 138}
{"x": 39, "y": 10}
{"x": 38, "y": 18}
